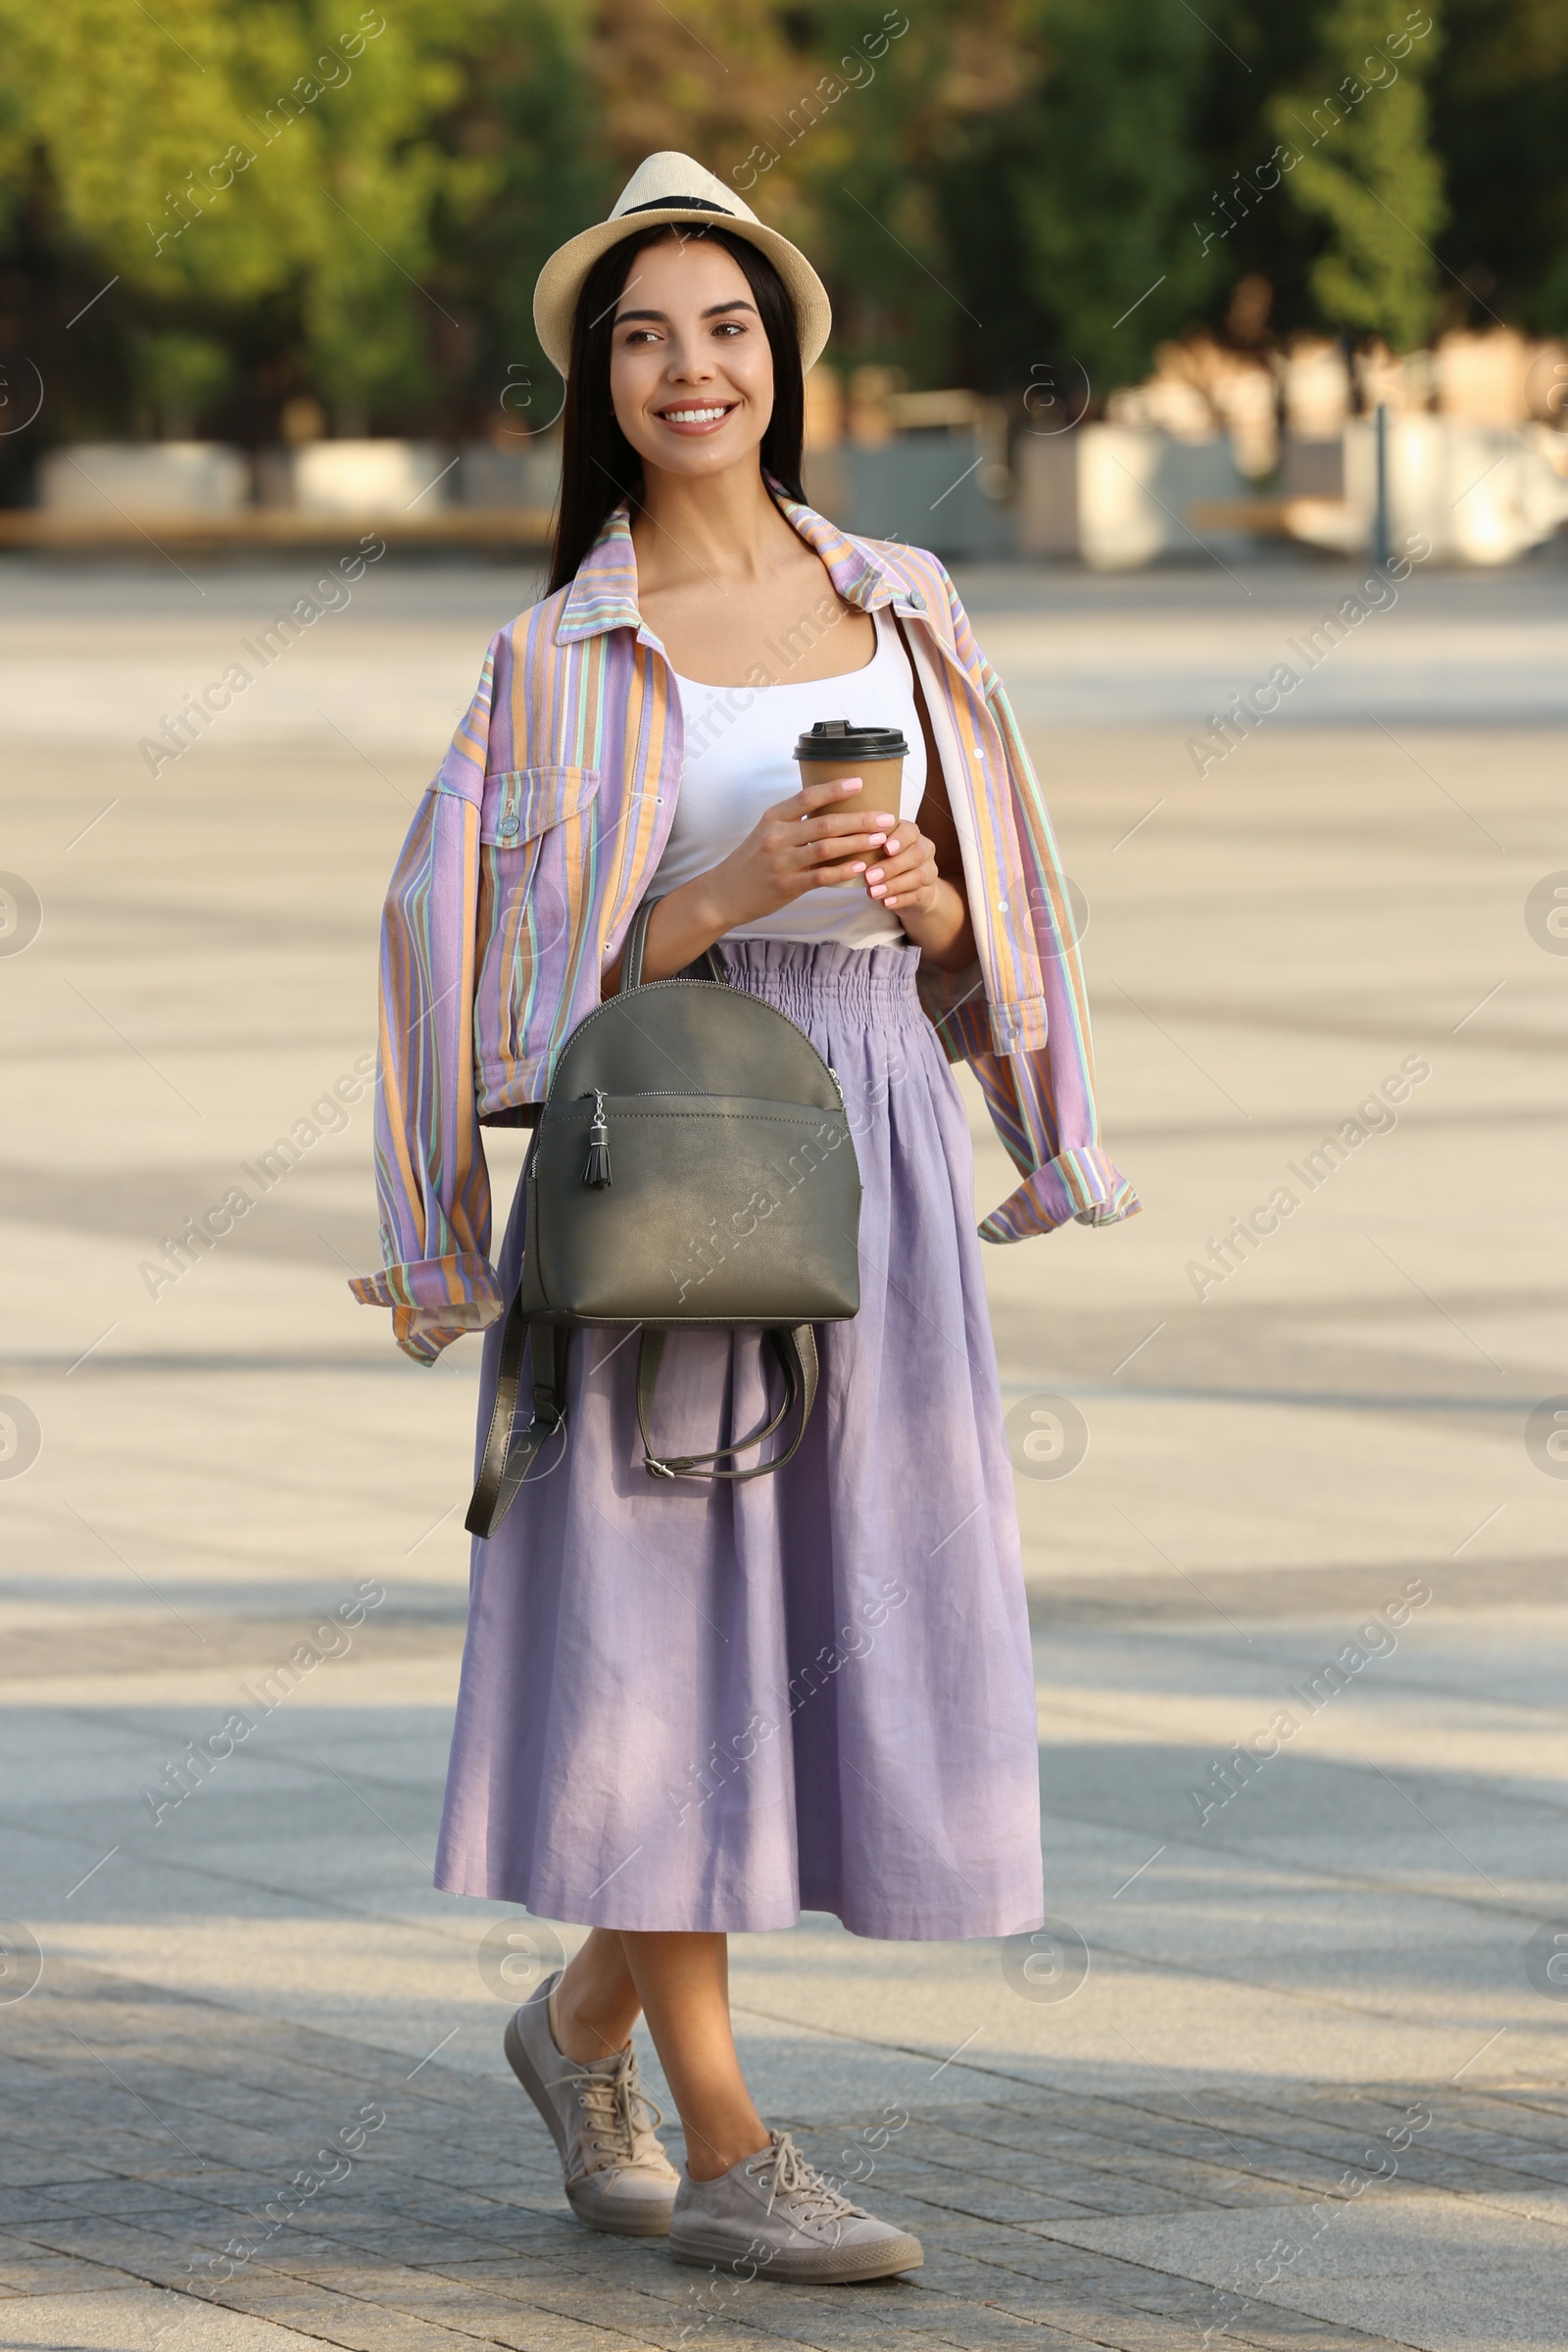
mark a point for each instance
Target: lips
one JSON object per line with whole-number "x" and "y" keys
{"x": 696, "y": 416}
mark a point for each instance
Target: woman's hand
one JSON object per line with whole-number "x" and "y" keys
{"x": 933, "y": 911}
{"x": 798, "y": 845}
{"x": 905, "y": 879}
{"x": 805, "y": 844}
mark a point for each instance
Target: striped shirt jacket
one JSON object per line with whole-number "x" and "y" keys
{"x": 538, "y": 839}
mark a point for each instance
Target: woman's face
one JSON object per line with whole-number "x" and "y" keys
{"x": 691, "y": 373}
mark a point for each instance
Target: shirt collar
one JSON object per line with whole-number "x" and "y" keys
{"x": 604, "y": 594}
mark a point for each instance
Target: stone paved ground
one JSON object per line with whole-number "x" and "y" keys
{"x": 1203, "y": 2136}
{"x": 149, "y": 2138}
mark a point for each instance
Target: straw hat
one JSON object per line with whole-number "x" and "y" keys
{"x": 671, "y": 187}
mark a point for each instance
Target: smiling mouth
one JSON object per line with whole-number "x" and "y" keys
{"x": 697, "y": 416}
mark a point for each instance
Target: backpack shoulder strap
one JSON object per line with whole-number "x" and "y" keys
{"x": 508, "y": 1453}
{"x": 796, "y": 1352}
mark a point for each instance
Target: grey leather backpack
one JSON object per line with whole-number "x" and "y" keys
{"x": 692, "y": 1164}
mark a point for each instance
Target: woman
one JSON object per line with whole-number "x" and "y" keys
{"x": 694, "y": 1708}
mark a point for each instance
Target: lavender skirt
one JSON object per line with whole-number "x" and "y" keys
{"x": 710, "y": 1706}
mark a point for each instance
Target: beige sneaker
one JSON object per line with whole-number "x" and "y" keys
{"x": 773, "y": 2216}
{"x": 603, "y": 2123}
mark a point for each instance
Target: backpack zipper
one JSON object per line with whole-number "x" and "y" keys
{"x": 596, "y": 1172}
{"x": 610, "y": 1003}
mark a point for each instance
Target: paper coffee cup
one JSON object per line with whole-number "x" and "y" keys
{"x": 836, "y": 747}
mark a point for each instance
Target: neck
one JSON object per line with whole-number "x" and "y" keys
{"x": 723, "y": 527}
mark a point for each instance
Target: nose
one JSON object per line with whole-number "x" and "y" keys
{"x": 690, "y": 363}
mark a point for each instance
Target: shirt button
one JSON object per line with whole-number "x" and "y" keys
{"x": 916, "y": 601}
{"x": 508, "y": 826}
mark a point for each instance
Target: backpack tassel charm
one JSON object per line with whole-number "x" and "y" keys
{"x": 597, "y": 1169}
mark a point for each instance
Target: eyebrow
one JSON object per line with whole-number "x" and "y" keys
{"x": 715, "y": 309}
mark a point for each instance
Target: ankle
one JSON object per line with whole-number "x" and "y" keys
{"x": 578, "y": 2037}
{"x": 709, "y": 2158}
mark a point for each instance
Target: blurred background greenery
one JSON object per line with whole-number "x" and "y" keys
{"x": 316, "y": 217}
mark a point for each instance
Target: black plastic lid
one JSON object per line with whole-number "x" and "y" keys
{"x": 842, "y": 739}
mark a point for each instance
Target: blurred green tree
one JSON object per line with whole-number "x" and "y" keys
{"x": 181, "y": 376}
{"x": 227, "y": 159}
{"x": 1358, "y": 131}
{"x": 1500, "y": 103}
{"x": 1099, "y": 168}
{"x": 876, "y": 121}
{"x": 209, "y": 210}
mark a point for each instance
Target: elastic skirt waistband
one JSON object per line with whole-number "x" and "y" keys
{"x": 799, "y": 976}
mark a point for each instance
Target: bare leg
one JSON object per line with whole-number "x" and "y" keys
{"x": 682, "y": 1980}
{"x": 595, "y": 2003}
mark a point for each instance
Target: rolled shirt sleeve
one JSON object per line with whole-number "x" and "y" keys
{"x": 1041, "y": 1098}
{"x": 432, "y": 1185}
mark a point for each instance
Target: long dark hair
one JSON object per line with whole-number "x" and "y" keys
{"x": 599, "y": 467}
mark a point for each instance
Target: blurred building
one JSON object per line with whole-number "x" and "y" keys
{"x": 1219, "y": 445}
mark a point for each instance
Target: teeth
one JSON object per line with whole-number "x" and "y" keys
{"x": 692, "y": 416}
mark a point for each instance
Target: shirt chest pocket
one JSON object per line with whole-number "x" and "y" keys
{"x": 520, "y": 804}
{"x": 536, "y": 835}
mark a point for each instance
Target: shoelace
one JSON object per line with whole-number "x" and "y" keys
{"x": 620, "y": 2119}
{"x": 813, "y": 2198}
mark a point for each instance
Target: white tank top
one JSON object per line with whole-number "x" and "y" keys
{"x": 740, "y": 761}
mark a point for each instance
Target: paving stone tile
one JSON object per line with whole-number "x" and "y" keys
{"x": 20, "y": 2206}
{"x": 340, "y": 2319}
{"x": 1018, "y": 2203}
{"x": 45, "y": 2273}
{"x": 441, "y": 2238}
{"x": 40, "y": 2177}
{"x": 373, "y": 2328}
{"x": 439, "y": 2249}
{"x": 92, "y": 2237}
{"x": 122, "y": 2198}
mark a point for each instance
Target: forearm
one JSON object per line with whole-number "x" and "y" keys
{"x": 799, "y": 845}
{"x": 680, "y": 927}
{"x": 944, "y": 933}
